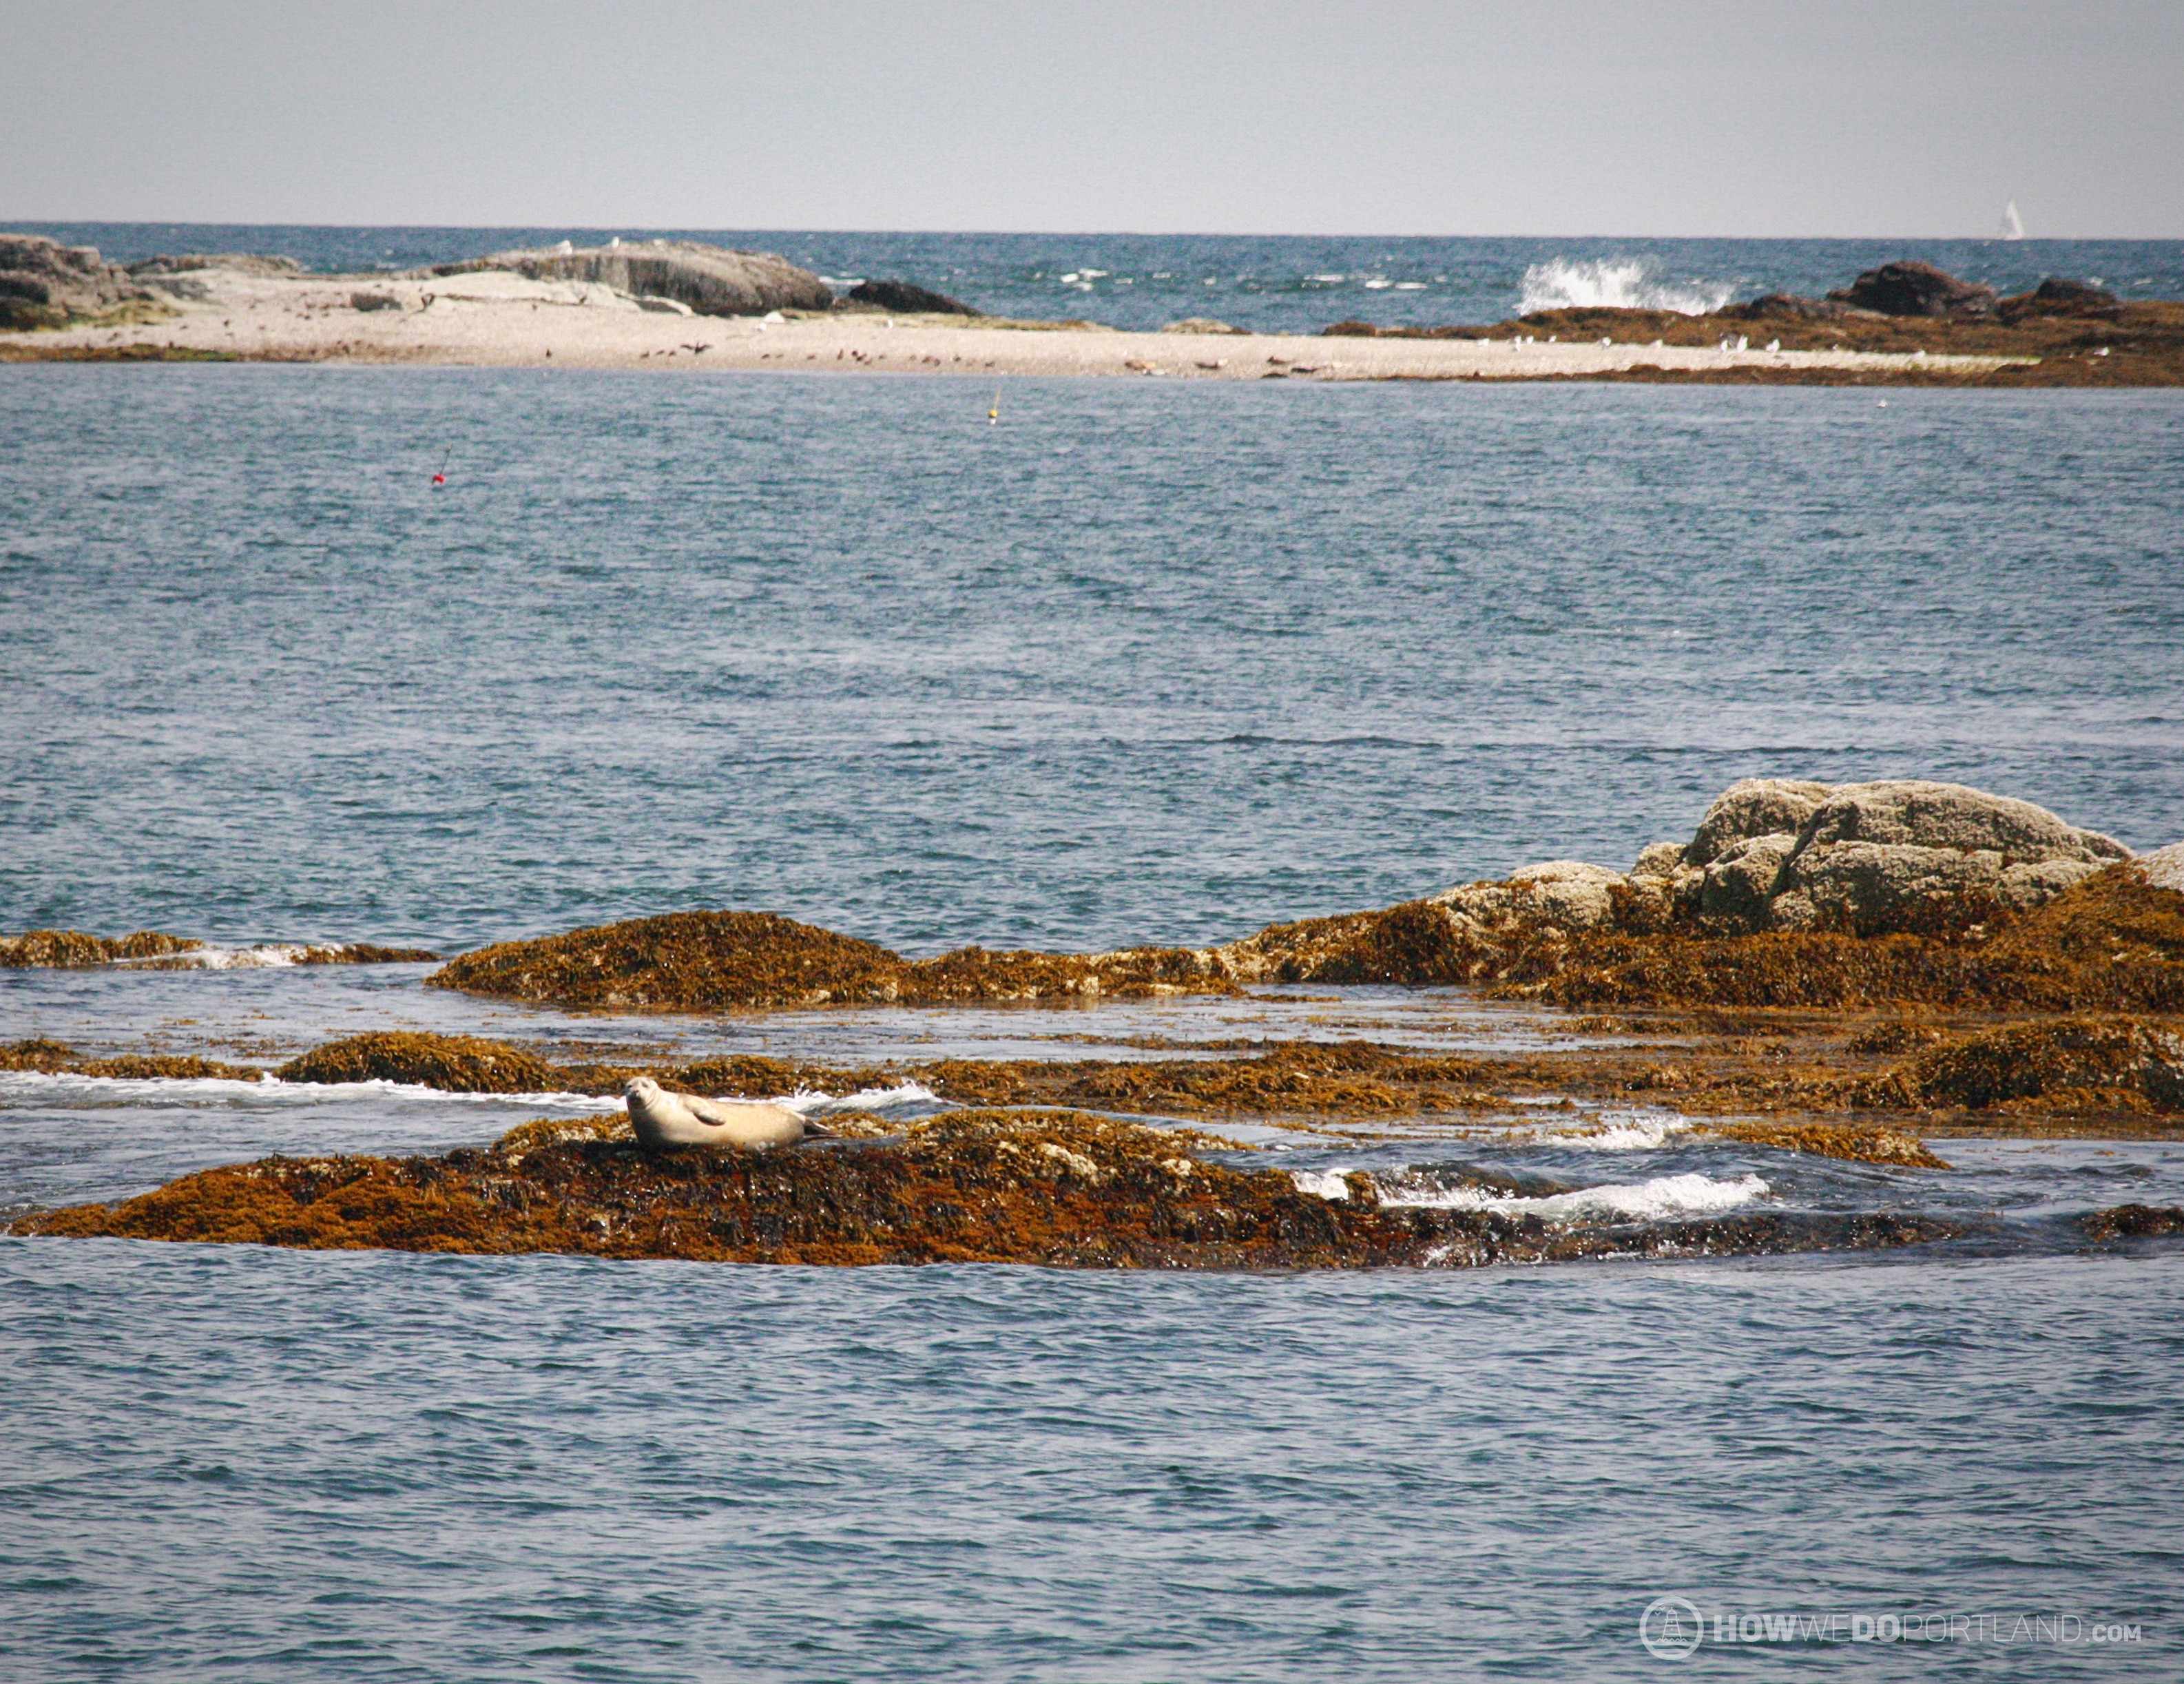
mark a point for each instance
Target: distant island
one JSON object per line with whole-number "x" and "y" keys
{"x": 663, "y": 304}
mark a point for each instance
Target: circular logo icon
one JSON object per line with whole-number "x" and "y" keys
{"x": 1671, "y": 1627}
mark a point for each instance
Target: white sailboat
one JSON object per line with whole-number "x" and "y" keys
{"x": 2013, "y": 224}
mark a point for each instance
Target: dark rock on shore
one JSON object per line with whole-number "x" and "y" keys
{"x": 710, "y": 279}
{"x": 1913, "y": 288}
{"x": 1788, "y": 307}
{"x": 2056, "y": 297}
{"x": 46, "y": 284}
{"x": 902, "y": 297}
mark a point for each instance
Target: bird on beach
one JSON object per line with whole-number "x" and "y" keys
{"x": 661, "y": 1118}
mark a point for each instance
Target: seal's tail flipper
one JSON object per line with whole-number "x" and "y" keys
{"x": 817, "y": 1130}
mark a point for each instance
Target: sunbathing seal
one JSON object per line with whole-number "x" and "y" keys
{"x": 661, "y": 1118}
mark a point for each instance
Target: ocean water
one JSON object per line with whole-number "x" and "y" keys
{"x": 1143, "y": 662}
{"x": 1274, "y": 283}
{"x": 1140, "y": 663}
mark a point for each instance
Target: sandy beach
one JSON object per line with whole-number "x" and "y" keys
{"x": 499, "y": 320}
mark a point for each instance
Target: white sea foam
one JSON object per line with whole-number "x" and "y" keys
{"x": 1615, "y": 282}
{"x": 265, "y": 955}
{"x": 1634, "y": 1202}
{"x": 811, "y": 1103}
{"x": 1327, "y": 1183}
{"x": 1622, "y": 1131}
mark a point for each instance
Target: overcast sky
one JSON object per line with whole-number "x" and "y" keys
{"x": 1888, "y": 118}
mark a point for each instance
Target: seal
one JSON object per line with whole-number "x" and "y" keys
{"x": 661, "y": 1118}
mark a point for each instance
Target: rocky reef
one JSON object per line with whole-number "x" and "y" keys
{"x": 1061, "y": 1189}
{"x": 705, "y": 280}
{"x": 2062, "y": 332}
{"x": 1789, "y": 893}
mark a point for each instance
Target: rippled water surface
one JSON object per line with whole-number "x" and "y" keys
{"x": 266, "y": 1464}
{"x": 1142, "y": 663}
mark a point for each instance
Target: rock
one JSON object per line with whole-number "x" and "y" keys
{"x": 1788, "y": 307}
{"x": 2057, "y": 297}
{"x": 1902, "y": 854}
{"x": 46, "y": 284}
{"x": 1661, "y": 860}
{"x": 905, "y": 299}
{"x": 1206, "y": 324}
{"x": 1914, "y": 813}
{"x": 2164, "y": 868}
{"x": 1755, "y": 806}
{"x": 1871, "y": 888}
{"x": 1568, "y": 893}
{"x": 372, "y": 301}
{"x": 2068, "y": 1065}
{"x": 711, "y": 280}
{"x": 1910, "y": 288}
{"x": 1737, "y": 886}
{"x": 241, "y": 263}
{"x": 2037, "y": 882}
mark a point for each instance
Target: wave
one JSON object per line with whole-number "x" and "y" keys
{"x": 1620, "y": 1131}
{"x": 1665, "y": 1195}
{"x": 1615, "y": 283}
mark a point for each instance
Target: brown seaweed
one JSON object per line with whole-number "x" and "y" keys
{"x": 1063, "y": 1189}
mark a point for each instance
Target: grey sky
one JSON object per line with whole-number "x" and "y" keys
{"x": 1867, "y": 117}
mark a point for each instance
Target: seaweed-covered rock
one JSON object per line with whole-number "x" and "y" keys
{"x": 1206, "y": 324}
{"x": 1063, "y": 1189}
{"x": 53, "y": 1058}
{"x": 40, "y": 948}
{"x": 710, "y": 960}
{"x": 710, "y": 280}
{"x": 904, "y": 298}
{"x": 462, "y": 1064}
{"x": 1913, "y": 288}
{"x": 2072, "y": 1063}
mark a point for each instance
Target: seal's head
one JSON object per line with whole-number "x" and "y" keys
{"x": 639, "y": 1087}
